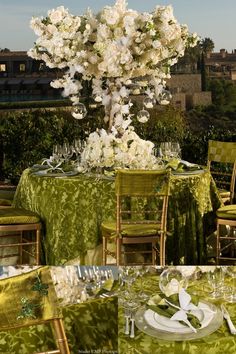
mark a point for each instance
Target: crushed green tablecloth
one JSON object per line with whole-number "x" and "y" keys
{"x": 73, "y": 208}
{"x": 90, "y": 327}
{"x": 219, "y": 342}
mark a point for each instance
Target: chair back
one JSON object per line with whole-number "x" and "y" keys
{"x": 30, "y": 299}
{"x": 221, "y": 162}
{"x": 142, "y": 197}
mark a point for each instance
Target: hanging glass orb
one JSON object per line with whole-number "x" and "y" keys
{"x": 165, "y": 97}
{"x": 79, "y": 111}
{"x": 143, "y": 116}
{"x": 148, "y": 102}
{"x": 171, "y": 281}
{"x": 135, "y": 89}
{"x": 97, "y": 98}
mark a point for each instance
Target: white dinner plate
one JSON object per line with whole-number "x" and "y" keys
{"x": 162, "y": 327}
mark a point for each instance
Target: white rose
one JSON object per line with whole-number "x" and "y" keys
{"x": 57, "y": 15}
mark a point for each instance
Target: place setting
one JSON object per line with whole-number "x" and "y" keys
{"x": 180, "y": 304}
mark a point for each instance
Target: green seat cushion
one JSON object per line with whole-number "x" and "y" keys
{"x": 132, "y": 230}
{"x": 7, "y": 194}
{"x": 227, "y": 212}
{"x": 5, "y": 202}
{"x": 224, "y": 193}
{"x": 9, "y": 216}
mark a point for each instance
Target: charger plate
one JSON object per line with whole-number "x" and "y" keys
{"x": 43, "y": 173}
{"x": 187, "y": 173}
{"x": 177, "y": 333}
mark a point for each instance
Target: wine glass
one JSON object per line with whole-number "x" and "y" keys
{"x": 216, "y": 281}
{"x": 175, "y": 150}
{"x": 141, "y": 271}
{"x": 165, "y": 149}
{"x": 231, "y": 295}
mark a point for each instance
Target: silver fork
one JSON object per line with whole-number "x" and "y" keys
{"x": 127, "y": 320}
{"x": 228, "y": 319}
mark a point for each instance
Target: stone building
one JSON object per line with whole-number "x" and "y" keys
{"x": 221, "y": 64}
{"x": 187, "y": 91}
{"x": 23, "y": 78}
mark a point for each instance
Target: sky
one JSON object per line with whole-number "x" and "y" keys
{"x": 209, "y": 18}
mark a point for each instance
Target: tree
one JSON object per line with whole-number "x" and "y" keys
{"x": 5, "y": 50}
{"x": 207, "y": 45}
{"x": 194, "y": 57}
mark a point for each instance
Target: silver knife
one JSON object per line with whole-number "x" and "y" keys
{"x": 228, "y": 319}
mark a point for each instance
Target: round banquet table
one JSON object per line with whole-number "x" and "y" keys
{"x": 219, "y": 342}
{"x": 73, "y": 208}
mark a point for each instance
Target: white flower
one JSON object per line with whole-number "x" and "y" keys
{"x": 57, "y": 15}
{"x": 116, "y": 43}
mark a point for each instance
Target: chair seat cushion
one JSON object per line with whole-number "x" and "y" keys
{"x": 132, "y": 230}
{"x": 224, "y": 193}
{"x": 227, "y": 212}
{"x": 5, "y": 202}
{"x": 9, "y": 216}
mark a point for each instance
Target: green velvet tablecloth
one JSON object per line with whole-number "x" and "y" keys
{"x": 73, "y": 208}
{"x": 91, "y": 327}
{"x": 219, "y": 342}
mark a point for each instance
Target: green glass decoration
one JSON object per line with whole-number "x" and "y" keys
{"x": 27, "y": 310}
{"x": 40, "y": 286}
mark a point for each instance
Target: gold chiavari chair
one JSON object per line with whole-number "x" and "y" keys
{"x": 141, "y": 215}
{"x": 20, "y": 229}
{"x": 221, "y": 162}
{"x": 29, "y": 299}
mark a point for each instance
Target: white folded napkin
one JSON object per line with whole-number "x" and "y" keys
{"x": 202, "y": 311}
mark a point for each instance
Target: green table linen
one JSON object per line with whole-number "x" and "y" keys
{"x": 219, "y": 342}
{"x": 90, "y": 327}
{"x": 73, "y": 208}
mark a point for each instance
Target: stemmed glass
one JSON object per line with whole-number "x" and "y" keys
{"x": 141, "y": 271}
{"x": 67, "y": 151}
{"x": 231, "y": 295}
{"x": 175, "y": 150}
{"x": 79, "y": 146}
{"x": 216, "y": 281}
{"x": 170, "y": 150}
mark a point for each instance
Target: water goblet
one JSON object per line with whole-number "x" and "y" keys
{"x": 166, "y": 150}
{"x": 215, "y": 279}
{"x": 141, "y": 271}
{"x": 230, "y": 296}
{"x": 175, "y": 150}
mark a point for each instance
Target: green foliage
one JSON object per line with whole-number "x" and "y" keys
{"x": 166, "y": 123}
{"x": 28, "y": 136}
{"x": 34, "y": 104}
{"x": 223, "y": 91}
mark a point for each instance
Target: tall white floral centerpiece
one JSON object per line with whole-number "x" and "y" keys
{"x": 112, "y": 49}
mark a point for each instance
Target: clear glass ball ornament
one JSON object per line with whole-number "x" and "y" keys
{"x": 148, "y": 102}
{"x": 165, "y": 97}
{"x": 97, "y": 98}
{"x": 171, "y": 281}
{"x": 79, "y": 111}
{"x": 143, "y": 116}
